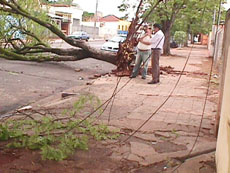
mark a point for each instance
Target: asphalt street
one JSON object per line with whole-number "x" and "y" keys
{"x": 94, "y": 43}
{"x": 22, "y": 83}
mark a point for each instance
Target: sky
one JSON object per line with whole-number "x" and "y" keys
{"x": 109, "y": 6}
{"x": 227, "y": 6}
{"x": 105, "y": 6}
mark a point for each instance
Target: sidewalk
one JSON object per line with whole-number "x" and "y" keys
{"x": 170, "y": 133}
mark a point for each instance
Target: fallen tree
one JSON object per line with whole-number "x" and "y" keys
{"x": 22, "y": 17}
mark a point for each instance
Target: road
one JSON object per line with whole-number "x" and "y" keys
{"x": 22, "y": 83}
{"x": 61, "y": 44}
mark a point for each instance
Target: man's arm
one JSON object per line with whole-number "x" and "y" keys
{"x": 144, "y": 42}
{"x": 156, "y": 38}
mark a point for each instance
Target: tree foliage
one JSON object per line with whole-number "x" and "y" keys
{"x": 197, "y": 17}
{"x": 86, "y": 16}
{"x": 65, "y": 2}
{"x": 39, "y": 51}
{"x": 21, "y": 33}
{"x": 55, "y": 135}
{"x": 179, "y": 15}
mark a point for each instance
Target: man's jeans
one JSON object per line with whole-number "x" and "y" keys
{"x": 142, "y": 57}
{"x": 155, "y": 65}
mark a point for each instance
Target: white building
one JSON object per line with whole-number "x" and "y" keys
{"x": 109, "y": 26}
{"x": 69, "y": 15}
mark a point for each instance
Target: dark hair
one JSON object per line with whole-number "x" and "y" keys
{"x": 156, "y": 25}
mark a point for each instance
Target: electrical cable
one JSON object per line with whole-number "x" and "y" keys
{"x": 175, "y": 86}
{"x": 206, "y": 97}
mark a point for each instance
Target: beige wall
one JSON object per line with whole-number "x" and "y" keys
{"x": 223, "y": 140}
{"x": 219, "y": 42}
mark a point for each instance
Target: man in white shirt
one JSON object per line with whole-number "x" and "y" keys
{"x": 143, "y": 53}
{"x": 157, "y": 42}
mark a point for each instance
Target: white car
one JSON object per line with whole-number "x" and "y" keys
{"x": 113, "y": 44}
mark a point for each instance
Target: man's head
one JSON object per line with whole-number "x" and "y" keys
{"x": 157, "y": 27}
{"x": 147, "y": 29}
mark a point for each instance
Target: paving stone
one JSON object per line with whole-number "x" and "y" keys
{"x": 195, "y": 165}
{"x": 141, "y": 150}
{"x": 156, "y": 158}
{"x": 163, "y": 134}
{"x": 135, "y": 158}
{"x": 147, "y": 137}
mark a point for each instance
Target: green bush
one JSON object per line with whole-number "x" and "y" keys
{"x": 180, "y": 37}
{"x": 56, "y": 135}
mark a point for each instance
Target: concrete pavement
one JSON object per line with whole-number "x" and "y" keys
{"x": 172, "y": 131}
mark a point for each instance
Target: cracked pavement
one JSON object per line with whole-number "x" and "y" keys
{"x": 171, "y": 132}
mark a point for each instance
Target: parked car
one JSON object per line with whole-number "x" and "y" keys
{"x": 80, "y": 35}
{"x": 173, "y": 44}
{"x": 113, "y": 44}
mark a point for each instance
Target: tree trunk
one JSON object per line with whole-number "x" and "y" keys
{"x": 166, "y": 48}
{"x": 192, "y": 38}
{"x": 167, "y": 25}
{"x": 61, "y": 55}
{"x": 188, "y": 32}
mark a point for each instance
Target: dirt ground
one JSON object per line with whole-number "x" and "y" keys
{"x": 153, "y": 149}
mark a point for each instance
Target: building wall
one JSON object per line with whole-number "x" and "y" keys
{"x": 217, "y": 55}
{"x": 106, "y": 30}
{"x": 69, "y": 13}
{"x": 109, "y": 29}
{"x": 219, "y": 45}
{"x": 204, "y": 39}
{"x": 91, "y": 30}
{"x": 123, "y": 25}
{"x": 223, "y": 140}
{"x": 91, "y": 24}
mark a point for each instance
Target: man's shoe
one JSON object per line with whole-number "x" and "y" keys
{"x": 143, "y": 77}
{"x": 153, "y": 82}
{"x": 132, "y": 76}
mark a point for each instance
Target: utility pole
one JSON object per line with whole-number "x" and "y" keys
{"x": 95, "y": 20}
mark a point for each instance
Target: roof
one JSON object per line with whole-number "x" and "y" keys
{"x": 109, "y": 18}
{"x": 56, "y": 5}
{"x": 54, "y": 16}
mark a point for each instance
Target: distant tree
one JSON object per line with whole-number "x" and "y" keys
{"x": 196, "y": 18}
{"x": 65, "y": 2}
{"x": 175, "y": 15}
{"x": 86, "y": 16}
